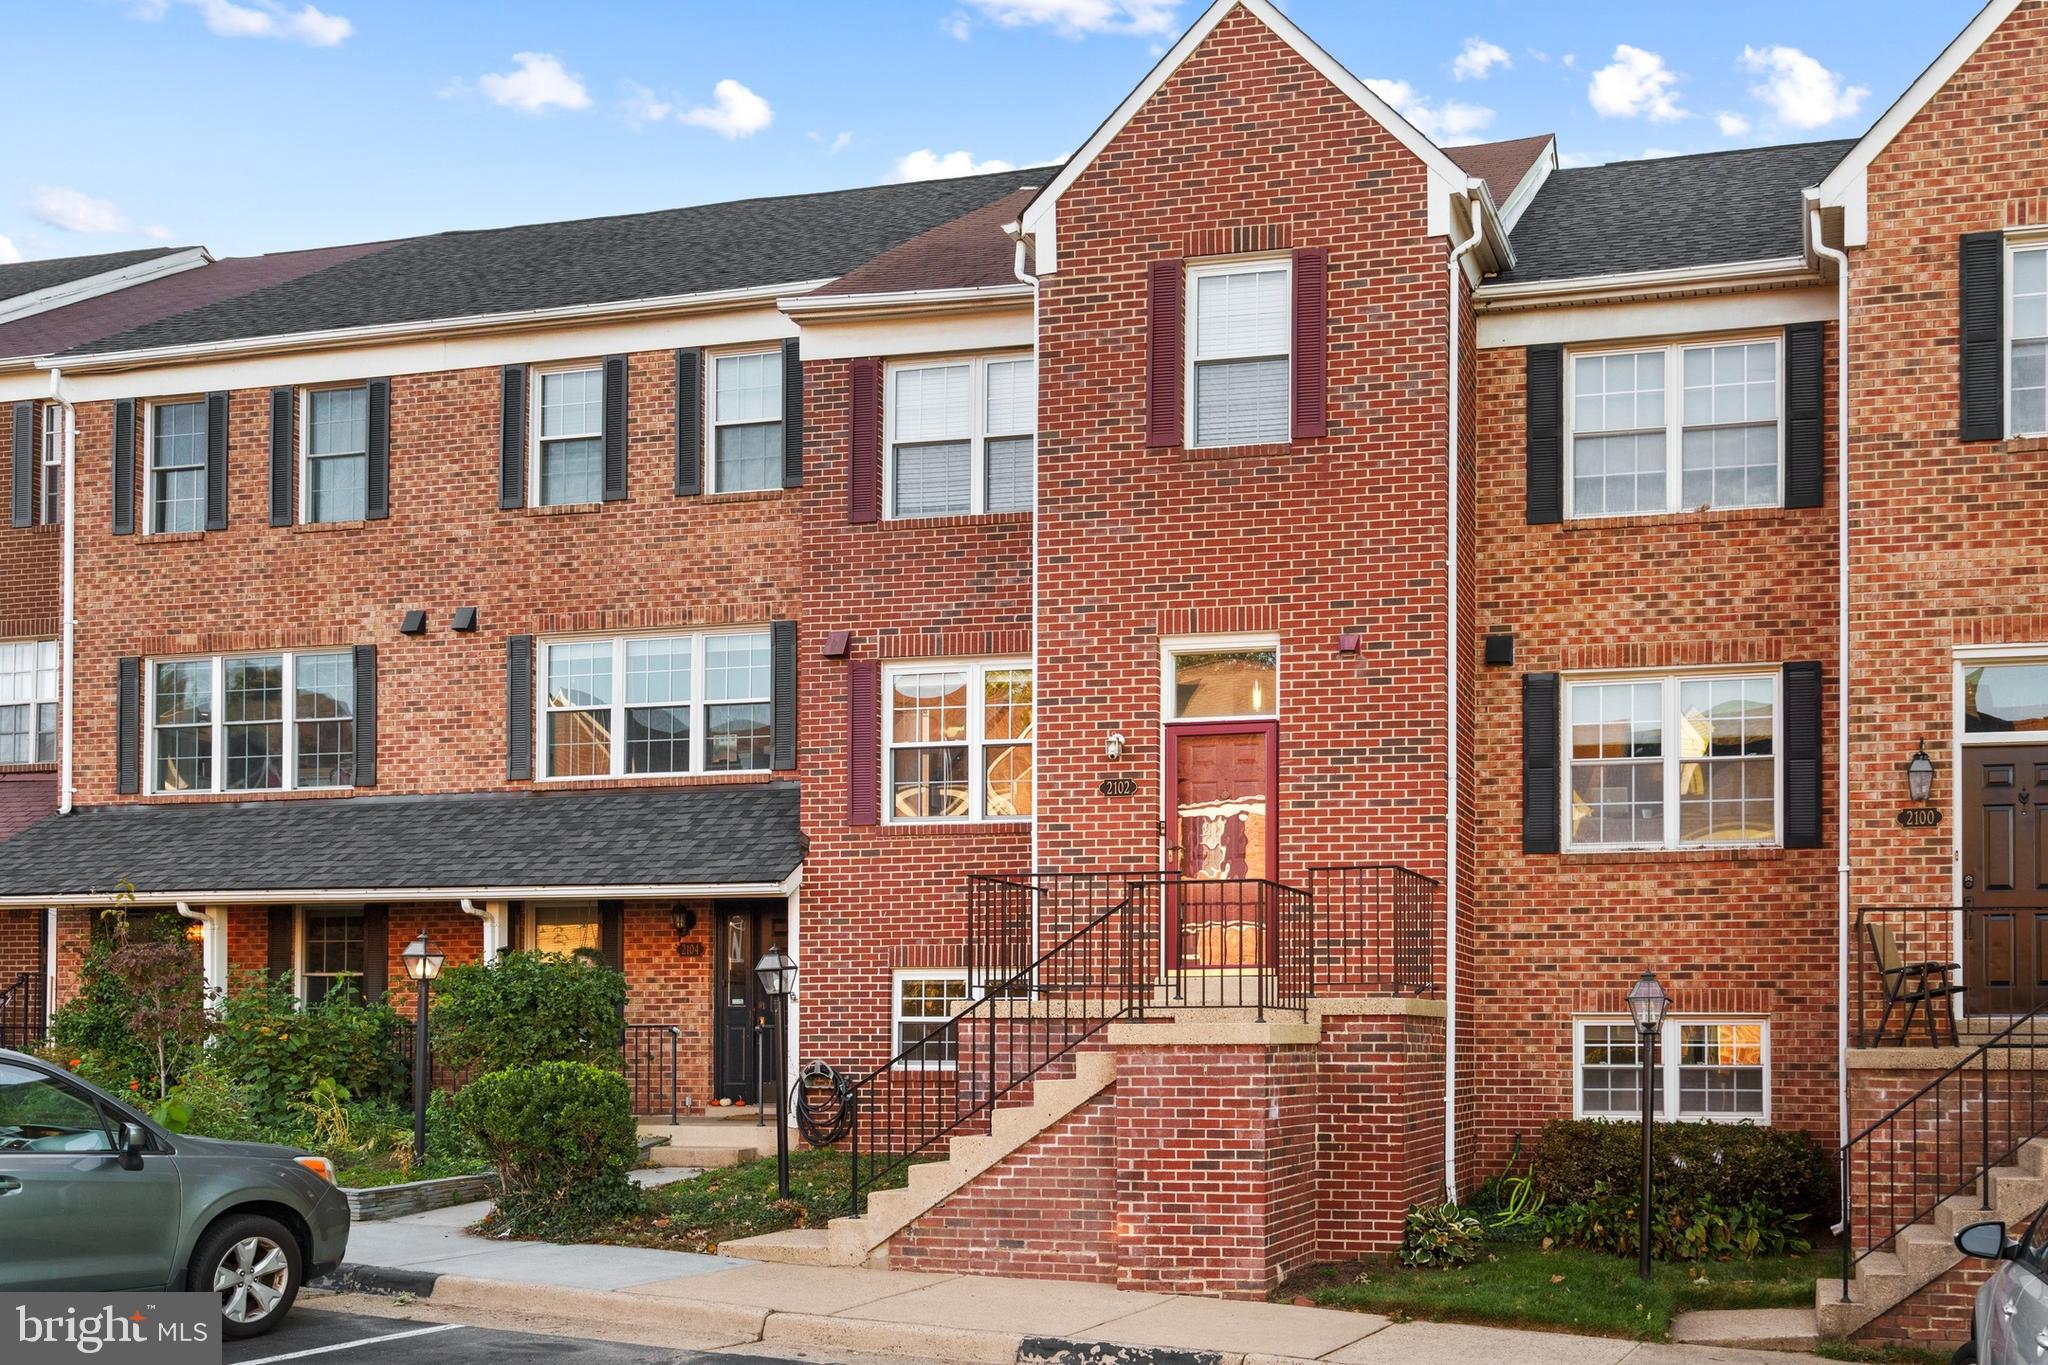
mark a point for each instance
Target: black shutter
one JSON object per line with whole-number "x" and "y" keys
{"x": 689, "y": 422}
{"x": 1801, "y": 728}
{"x": 376, "y": 952}
{"x": 124, "y": 466}
{"x": 615, "y": 428}
{"x": 1541, "y": 747}
{"x": 128, "y": 727}
{"x": 284, "y": 456}
{"x": 782, "y": 651}
{"x": 216, "y": 462}
{"x": 377, "y": 503}
{"x": 792, "y": 415}
{"x": 611, "y": 933}
{"x": 366, "y": 715}
{"x": 1544, "y": 372}
{"x": 24, "y": 465}
{"x": 283, "y": 955}
{"x": 512, "y": 437}
{"x": 1982, "y": 287}
{"x": 1805, "y": 413}
{"x": 519, "y": 708}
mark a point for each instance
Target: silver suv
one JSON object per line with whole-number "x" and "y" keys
{"x": 2010, "y": 1324}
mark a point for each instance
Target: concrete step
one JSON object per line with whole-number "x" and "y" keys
{"x": 707, "y": 1158}
{"x": 1926, "y": 1251}
{"x": 1753, "y": 1329}
{"x": 795, "y": 1246}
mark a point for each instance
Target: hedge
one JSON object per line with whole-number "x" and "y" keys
{"x": 1728, "y": 1164}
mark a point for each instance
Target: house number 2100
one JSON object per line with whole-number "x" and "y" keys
{"x": 1920, "y": 817}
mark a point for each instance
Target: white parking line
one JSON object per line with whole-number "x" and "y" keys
{"x": 351, "y": 1345}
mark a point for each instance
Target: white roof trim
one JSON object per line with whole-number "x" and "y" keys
{"x": 1524, "y": 193}
{"x": 105, "y": 282}
{"x": 817, "y": 306}
{"x": 1845, "y": 186}
{"x": 1040, "y": 219}
{"x": 357, "y": 895}
{"x": 1645, "y": 283}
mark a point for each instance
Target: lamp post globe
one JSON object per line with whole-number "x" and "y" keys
{"x": 1647, "y": 1004}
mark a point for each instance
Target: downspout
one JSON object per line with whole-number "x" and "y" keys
{"x": 69, "y": 625}
{"x": 1026, "y": 277}
{"x": 1842, "y": 861}
{"x": 1451, "y": 660}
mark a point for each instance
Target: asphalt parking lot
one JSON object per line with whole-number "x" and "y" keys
{"x": 359, "y": 1339}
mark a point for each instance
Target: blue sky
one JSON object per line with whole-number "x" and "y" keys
{"x": 263, "y": 125}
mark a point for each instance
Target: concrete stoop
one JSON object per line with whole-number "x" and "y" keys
{"x": 860, "y": 1241}
{"x": 1925, "y": 1251}
{"x": 705, "y": 1144}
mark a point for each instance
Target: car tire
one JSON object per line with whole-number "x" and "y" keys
{"x": 255, "y": 1265}
{"x": 1966, "y": 1354}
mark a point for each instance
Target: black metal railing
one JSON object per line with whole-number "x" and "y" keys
{"x": 1943, "y": 1140}
{"x": 1238, "y": 943}
{"x": 1376, "y": 930}
{"x": 21, "y": 1011}
{"x": 1986, "y": 954}
{"x": 650, "y": 1052}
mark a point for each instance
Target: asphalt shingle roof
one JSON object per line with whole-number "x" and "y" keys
{"x": 1670, "y": 213}
{"x": 26, "y": 277}
{"x": 744, "y": 244}
{"x": 969, "y": 252}
{"x": 678, "y": 836}
{"x": 1500, "y": 164}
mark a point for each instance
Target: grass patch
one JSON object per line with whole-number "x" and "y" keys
{"x": 1880, "y": 1355}
{"x": 720, "y": 1206}
{"x": 1524, "y": 1285}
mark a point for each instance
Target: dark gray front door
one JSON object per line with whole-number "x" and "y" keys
{"x": 2005, "y": 878}
{"x": 743, "y": 932}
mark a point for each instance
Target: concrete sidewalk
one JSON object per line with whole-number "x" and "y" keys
{"x": 979, "y": 1319}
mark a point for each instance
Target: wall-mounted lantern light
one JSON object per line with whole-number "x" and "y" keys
{"x": 1920, "y": 774}
{"x": 1113, "y": 748}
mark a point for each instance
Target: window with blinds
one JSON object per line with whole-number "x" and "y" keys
{"x": 1239, "y": 326}
{"x": 962, "y": 436}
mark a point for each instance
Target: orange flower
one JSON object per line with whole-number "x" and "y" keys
{"x": 135, "y": 1085}
{"x": 74, "y": 1063}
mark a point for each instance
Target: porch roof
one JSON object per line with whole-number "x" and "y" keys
{"x": 492, "y": 843}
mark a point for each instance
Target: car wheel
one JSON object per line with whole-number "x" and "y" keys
{"x": 1966, "y": 1354}
{"x": 253, "y": 1263}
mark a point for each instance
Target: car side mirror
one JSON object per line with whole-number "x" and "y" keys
{"x": 1985, "y": 1241}
{"x": 135, "y": 1138}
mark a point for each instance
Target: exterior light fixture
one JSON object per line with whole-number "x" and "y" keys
{"x": 422, "y": 960}
{"x": 776, "y": 971}
{"x": 1920, "y": 774}
{"x": 1113, "y": 749}
{"x": 1646, "y": 1005}
{"x": 422, "y": 963}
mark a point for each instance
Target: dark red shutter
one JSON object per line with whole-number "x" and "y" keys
{"x": 1163, "y": 285}
{"x": 864, "y": 440}
{"x": 1311, "y": 343}
{"x": 863, "y": 742}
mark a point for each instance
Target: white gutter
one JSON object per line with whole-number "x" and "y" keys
{"x": 495, "y": 924}
{"x": 68, "y": 627}
{"x": 213, "y": 945}
{"x": 1843, "y": 863}
{"x": 1451, "y": 661}
{"x": 1784, "y": 270}
{"x": 1016, "y": 232}
{"x": 357, "y": 894}
{"x": 907, "y": 300}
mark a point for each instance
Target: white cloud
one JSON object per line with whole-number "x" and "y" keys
{"x": 539, "y": 84}
{"x": 957, "y": 26}
{"x": 1450, "y": 123}
{"x": 925, "y": 164}
{"x": 75, "y": 211}
{"x": 1076, "y": 18}
{"x": 1477, "y": 59}
{"x": 1798, "y": 89}
{"x": 1658, "y": 153}
{"x": 735, "y": 111}
{"x": 1636, "y": 83}
{"x": 643, "y": 106}
{"x": 1732, "y": 125}
{"x": 1570, "y": 61}
{"x": 9, "y": 252}
{"x": 835, "y": 144}
{"x": 259, "y": 19}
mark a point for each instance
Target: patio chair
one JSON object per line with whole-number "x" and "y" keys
{"x": 1919, "y": 986}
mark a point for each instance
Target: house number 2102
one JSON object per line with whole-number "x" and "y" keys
{"x": 1119, "y": 786}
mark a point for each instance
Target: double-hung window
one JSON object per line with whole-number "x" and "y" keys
{"x": 1703, "y": 1069}
{"x": 568, "y": 454}
{"x": 960, "y": 742}
{"x": 1637, "y": 446}
{"x": 28, "y": 701}
{"x": 1240, "y": 328}
{"x": 336, "y": 435}
{"x": 177, "y": 466}
{"x": 1671, "y": 762}
{"x": 254, "y": 722}
{"x": 658, "y": 705}
{"x": 746, "y": 422}
{"x": 2028, "y": 389}
{"x": 924, "y": 1002}
{"x": 334, "y": 954}
{"x": 52, "y": 461}
{"x": 962, "y": 436}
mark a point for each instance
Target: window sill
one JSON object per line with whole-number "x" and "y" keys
{"x": 2023, "y": 445}
{"x": 1273, "y": 450}
{"x": 959, "y": 519}
{"x": 566, "y": 509}
{"x": 8, "y": 769}
{"x": 746, "y": 778}
{"x": 172, "y": 537}
{"x": 235, "y": 798}
{"x": 952, "y": 829}
{"x": 40, "y": 528}
{"x": 316, "y": 528}
{"x": 1705, "y": 518}
{"x": 1735, "y": 853}
{"x": 748, "y": 495}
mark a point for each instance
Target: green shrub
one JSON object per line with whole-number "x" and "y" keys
{"x": 1440, "y": 1236}
{"x": 279, "y": 1052}
{"x": 562, "y": 1136}
{"x": 215, "y": 1106}
{"x": 97, "y": 1027}
{"x": 1698, "y": 1230}
{"x": 1727, "y": 1164}
{"x": 526, "y": 1008}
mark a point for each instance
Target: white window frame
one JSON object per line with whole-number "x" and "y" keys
{"x": 1674, "y": 422}
{"x": 300, "y": 974}
{"x": 978, "y": 433}
{"x": 977, "y": 671}
{"x": 535, "y": 376}
{"x": 699, "y": 731}
{"x": 1666, "y": 1059}
{"x": 150, "y": 524}
{"x": 714, "y": 475}
{"x": 36, "y": 703}
{"x": 1671, "y": 760}
{"x": 306, "y": 456}
{"x": 897, "y": 1018}
{"x": 1171, "y": 649}
{"x": 2014, "y": 245}
{"x": 219, "y": 723}
{"x": 1235, "y": 265}
{"x": 50, "y": 463}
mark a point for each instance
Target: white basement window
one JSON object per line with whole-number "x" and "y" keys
{"x": 1715, "y": 1070}
{"x": 1240, "y": 328}
{"x": 925, "y": 1000}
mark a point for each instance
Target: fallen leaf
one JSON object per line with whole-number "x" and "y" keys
{"x": 1303, "y": 1301}
{"x": 1557, "y": 1279}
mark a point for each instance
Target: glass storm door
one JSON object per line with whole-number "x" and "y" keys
{"x": 1222, "y": 798}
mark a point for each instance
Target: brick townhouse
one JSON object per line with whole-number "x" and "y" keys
{"x": 1223, "y": 659}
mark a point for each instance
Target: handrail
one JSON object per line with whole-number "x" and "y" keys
{"x": 21, "y": 1022}
{"x": 1943, "y": 934}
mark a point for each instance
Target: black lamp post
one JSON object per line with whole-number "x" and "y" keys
{"x": 776, "y": 971}
{"x": 422, "y": 964}
{"x": 1646, "y": 1005}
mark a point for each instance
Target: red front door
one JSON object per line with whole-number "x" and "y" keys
{"x": 1222, "y": 798}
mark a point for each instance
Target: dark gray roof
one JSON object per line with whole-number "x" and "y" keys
{"x": 26, "y": 277}
{"x": 1670, "y": 213}
{"x": 747, "y": 243}
{"x": 677, "y": 836}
